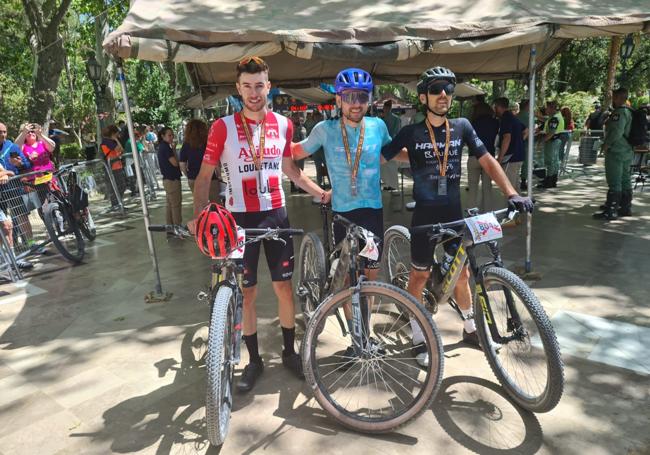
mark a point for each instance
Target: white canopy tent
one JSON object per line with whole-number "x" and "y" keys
{"x": 308, "y": 42}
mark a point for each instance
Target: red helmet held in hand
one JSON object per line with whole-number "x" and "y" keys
{"x": 216, "y": 231}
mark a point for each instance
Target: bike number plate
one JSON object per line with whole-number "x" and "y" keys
{"x": 42, "y": 179}
{"x": 241, "y": 238}
{"x": 370, "y": 251}
{"x": 484, "y": 227}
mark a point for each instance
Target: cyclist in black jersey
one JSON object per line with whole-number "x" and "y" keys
{"x": 436, "y": 167}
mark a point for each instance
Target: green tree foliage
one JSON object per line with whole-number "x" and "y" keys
{"x": 150, "y": 93}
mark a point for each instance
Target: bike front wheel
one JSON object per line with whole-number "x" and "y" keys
{"x": 527, "y": 363}
{"x": 378, "y": 387}
{"x": 64, "y": 232}
{"x": 219, "y": 397}
{"x": 311, "y": 273}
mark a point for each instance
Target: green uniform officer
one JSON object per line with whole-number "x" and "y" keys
{"x": 618, "y": 159}
{"x": 552, "y": 143}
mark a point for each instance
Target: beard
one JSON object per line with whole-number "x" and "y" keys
{"x": 355, "y": 117}
{"x": 254, "y": 107}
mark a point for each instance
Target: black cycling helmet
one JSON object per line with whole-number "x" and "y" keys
{"x": 435, "y": 74}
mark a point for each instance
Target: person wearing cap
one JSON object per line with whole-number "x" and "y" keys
{"x": 434, "y": 148}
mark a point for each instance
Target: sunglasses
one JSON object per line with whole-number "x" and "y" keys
{"x": 437, "y": 87}
{"x": 247, "y": 60}
{"x": 356, "y": 97}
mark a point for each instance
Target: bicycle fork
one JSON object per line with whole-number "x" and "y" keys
{"x": 360, "y": 320}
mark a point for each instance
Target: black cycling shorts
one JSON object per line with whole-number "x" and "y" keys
{"x": 421, "y": 246}
{"x": 279, "y": 257}
{"x": 369, "y": 219}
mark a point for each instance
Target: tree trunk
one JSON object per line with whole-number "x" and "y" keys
{"x": 562, "y": 85}
{"x": 49, "y": 64}
{"x": 614, "y": 51}
{"x": 44, "y": 19}
{"x": 108, "y": 72}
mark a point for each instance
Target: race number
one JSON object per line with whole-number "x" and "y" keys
{"x": 484, "y": 227}
{"x": 369, "y": 251}
{"x": 241, "y": 238}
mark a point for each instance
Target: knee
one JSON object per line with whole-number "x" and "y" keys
{"x": 418, "y": 277}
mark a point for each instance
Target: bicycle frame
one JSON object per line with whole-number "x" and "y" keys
{"x": 443, "y": 291}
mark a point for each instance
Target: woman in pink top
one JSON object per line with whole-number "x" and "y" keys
{"x": 37, "y": 148}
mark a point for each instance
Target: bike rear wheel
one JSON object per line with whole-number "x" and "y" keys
{"x": 396, "y": 263}
{"x": 87, "y": 225}
{"x": 383, "y": 388}
{"x": 311, "y": 273}
{"x": 64, "y": 232}
{"x": 529, "y": 365}
{"x": 219, "y": 397}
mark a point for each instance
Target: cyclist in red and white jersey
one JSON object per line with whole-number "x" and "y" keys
{"x": 255, "y": 197}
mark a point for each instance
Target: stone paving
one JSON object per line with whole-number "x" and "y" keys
{"x": 87, "y": 367}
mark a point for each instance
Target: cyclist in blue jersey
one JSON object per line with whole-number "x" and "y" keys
{"x": 352, "y": 145}
{"x": 434, "y": 150}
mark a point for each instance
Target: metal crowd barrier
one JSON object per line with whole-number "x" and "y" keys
{"x": 25, "y": 234}
{"x": 148, "y": 172}
{"x": 103, "y": 186}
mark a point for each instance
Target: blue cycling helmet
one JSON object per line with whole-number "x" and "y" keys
{"x": 353, "y": 78}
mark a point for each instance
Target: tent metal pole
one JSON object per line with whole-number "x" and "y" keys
{"x": 531, "y": 148}
{"x": 138, "y": 172}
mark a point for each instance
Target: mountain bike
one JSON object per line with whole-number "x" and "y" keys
{"x": 356, "y": 351}
{"x": 226, "y": 302}
{"x": 514, "y": 331}
{"x": 64, "y": 213}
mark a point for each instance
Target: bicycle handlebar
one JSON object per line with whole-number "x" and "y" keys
{"x": 447, "y": 228}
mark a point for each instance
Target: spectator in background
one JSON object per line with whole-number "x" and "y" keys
{"x": 522, "y": 116}
{"x": 112, "y": 151}
{"x": 595, "y": 121}
{"x": 192, "y": 151}
{"x": 568, "y": 131}
{"x": 553, "y": 127}
{"x": 171, "y": 172}
{"x": 6, "y": 224}
{"x": 514, "y": 108}
{"x": 299, "y": 134}
{"x": 124, "y": 133}
{"x": 389, "y": 170}
{"x": 487, "y": 128}
{"x": 511, "y": 141}
{"x": 38, "y": 149}
{"x": 13, "y": 160}
{"x": 131, "y": 178}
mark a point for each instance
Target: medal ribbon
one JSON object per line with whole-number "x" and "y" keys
{"x": 259, "y": 156}
{"x": 346, "y": 145}
{"x": 443, "y": 163}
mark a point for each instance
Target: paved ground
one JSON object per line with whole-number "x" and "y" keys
{"x": 87, "y": 367}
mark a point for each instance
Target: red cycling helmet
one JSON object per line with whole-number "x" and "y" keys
{"x": 216, "y": 231}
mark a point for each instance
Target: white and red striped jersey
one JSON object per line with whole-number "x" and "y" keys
{"x": 250, "y": 190}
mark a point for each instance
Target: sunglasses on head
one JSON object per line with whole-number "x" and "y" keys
{"x": 355, "y": 97}
{"x": 253, "y": 58}
{"x": 436, "y": 88}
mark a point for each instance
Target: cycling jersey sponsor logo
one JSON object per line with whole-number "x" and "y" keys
{"x": 441, "y": 145}
{"x": 269, "y": 152}
{"x": 271, "y": 127}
